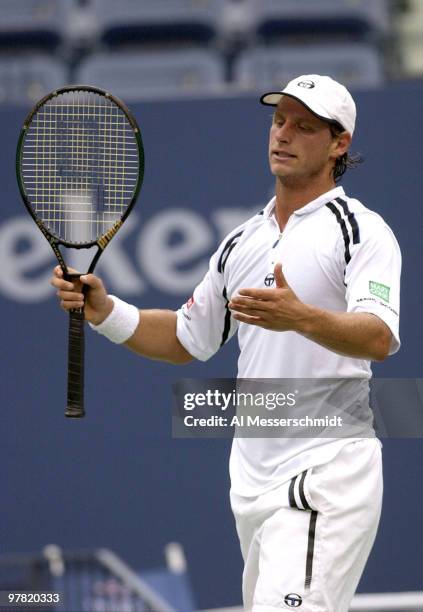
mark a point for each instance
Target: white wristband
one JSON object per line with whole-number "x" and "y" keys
{"x": 121, "y": 323}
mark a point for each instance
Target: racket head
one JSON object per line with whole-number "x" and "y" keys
{"x": 80, "y": 165}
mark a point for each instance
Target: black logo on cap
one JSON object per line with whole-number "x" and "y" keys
{"x": 307, "y": 84}
{"x": 293, "y": 600}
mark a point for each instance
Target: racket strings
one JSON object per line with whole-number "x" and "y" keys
{"x": 80, "y": 165}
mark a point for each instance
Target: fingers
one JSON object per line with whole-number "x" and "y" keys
{"x": 73, "y": 296}
{"x": 280, "y": 279}
{"x": 92, "y": 281}
{"x": 71, "y": 305}
{"x": 69, "y": 293}
{"x": 258, "y": 294}
{"x": 59, "y": 272}
{"x": 70, "y": 299}
{"x": 59, "y": 283}
{"x": 249, "y": 305}
{"x": 254, "y": 314}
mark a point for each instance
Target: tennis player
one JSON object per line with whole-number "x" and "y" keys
{"x": 311, "y": 285}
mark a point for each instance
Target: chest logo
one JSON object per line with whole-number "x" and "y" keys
{"x": 293, "y": 600}
{"x": 269, "y": 280}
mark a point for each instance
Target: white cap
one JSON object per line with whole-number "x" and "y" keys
{"x": 324, "y": 97}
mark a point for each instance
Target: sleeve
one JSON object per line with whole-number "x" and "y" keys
{"x": 372, "y": 277}
{"x": 204, "y": 322}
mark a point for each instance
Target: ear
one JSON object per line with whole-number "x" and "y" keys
{"x": 340, "y": 144}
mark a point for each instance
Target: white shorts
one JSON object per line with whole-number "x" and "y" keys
{"x": 305, "y": 543}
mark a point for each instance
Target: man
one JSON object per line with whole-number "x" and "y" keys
{"x": 311, "y": 285}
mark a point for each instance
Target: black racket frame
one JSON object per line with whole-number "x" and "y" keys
{"x": 76, "y": 341}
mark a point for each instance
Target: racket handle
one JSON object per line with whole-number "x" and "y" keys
{"x": 75, "y": 407}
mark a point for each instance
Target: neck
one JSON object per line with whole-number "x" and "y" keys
{"x": 290, "y": 198}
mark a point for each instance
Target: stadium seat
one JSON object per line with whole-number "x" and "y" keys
{"x": 38, "y": 23}
{"x": 134, "y": 21}
{"x": 292, "y": 16}
{"x": 138, "y": 75}
{"x": 409, "y": 28}
{"x": 355, "y": 65}
{"x": 24, "y": 79}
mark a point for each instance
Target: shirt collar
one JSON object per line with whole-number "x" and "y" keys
{"x": 336, "y": 192}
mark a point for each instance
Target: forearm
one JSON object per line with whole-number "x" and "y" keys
{"x": 361, "y": 335}
{"x": 155, "y": 338}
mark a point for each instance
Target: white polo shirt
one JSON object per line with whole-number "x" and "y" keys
{"x": 336, "y": 255}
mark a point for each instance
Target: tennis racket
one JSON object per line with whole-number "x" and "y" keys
{"x": 79, "y": 165}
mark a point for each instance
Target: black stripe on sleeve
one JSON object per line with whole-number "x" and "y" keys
{"x": 344, "y": 230}
{"x": 226, "y": 251}
{"x": 310, "y": 549}
{"x": 302, "y": 494}
{"x": 291, "y": 495}
{"x": 351, "y": 218}
{"x": 227, "y": 322}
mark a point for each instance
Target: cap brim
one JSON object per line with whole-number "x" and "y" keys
{"x": 272, "y": 98}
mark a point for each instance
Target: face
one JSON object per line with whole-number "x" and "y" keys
{"x": 301, "y": 146}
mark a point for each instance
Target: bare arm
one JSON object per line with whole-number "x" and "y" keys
{"x": 360, "y": 335}
{"x": 155, "y": 336}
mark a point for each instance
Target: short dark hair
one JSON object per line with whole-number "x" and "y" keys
{"x": 345, "y": 161}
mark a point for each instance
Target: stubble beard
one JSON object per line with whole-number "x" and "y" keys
{"x": 301, "y": 180}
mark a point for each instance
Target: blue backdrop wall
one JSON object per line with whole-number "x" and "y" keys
{"x": 117, "y": 478}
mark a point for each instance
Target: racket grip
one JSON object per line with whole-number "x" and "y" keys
{"x": 76, "y": 346}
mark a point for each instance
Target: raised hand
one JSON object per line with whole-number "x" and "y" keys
{"x": 278, "y": 308}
